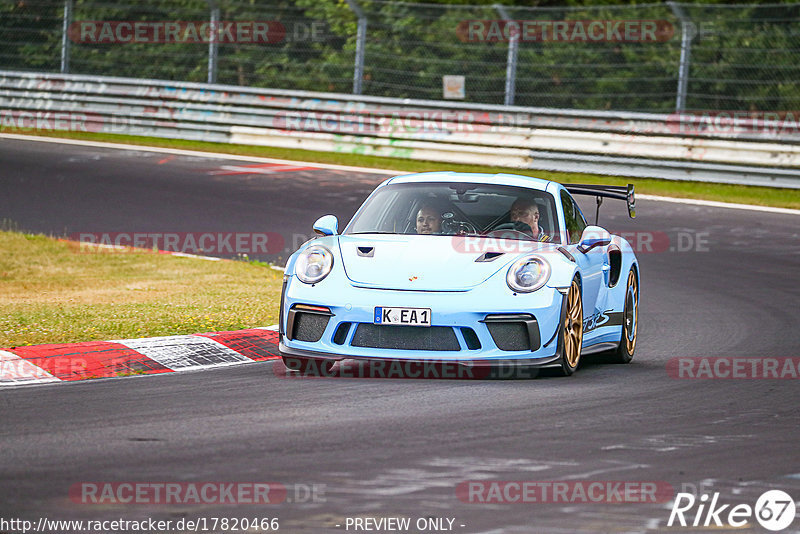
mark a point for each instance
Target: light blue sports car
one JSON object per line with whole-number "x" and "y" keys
{"x": 473, "y": 269}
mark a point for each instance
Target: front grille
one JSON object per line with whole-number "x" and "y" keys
{"x": 405, "y": 337}
{"x": 510, "y": 336}
{"x": 309, "y": 326}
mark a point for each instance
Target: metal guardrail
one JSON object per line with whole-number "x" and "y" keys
{"x": 676, "y": 147}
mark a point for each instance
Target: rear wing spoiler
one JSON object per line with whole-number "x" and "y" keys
{"x": 619, "y": 192}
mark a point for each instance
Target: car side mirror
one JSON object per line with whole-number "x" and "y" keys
{"x": 593, "y": 236}
{"x": 327, "y": 225}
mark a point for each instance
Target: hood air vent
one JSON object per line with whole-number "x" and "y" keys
{"x": 489, "y": 256}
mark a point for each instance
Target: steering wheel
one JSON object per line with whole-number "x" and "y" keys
{"x": 453, "y": 227}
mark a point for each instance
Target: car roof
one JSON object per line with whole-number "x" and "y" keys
{"x": 472, "y": 177}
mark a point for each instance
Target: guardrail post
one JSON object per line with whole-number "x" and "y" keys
{"x": 361, "y": 42}
{"x": 65, "y": 36}
{"x": 688, "y": 31}
{"x": 213, "y": 42}
{"x": 513, "y": 30}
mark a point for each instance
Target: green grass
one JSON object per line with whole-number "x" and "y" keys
{"x": 764, "y": 196}
{"x": 57, "y": 292}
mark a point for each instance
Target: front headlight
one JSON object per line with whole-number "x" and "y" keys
{"x": 313, "y": 264}
{"x": 528, "y": 274}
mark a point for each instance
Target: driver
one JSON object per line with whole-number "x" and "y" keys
{"x": 526, "y": 211}
{"x": 428, "y": 220}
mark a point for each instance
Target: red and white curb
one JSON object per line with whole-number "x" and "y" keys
{"x": 40, "y": 364}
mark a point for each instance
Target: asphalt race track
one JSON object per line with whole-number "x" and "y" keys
{"x": 719, "y": 283}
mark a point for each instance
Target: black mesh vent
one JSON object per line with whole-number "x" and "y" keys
{"x": 470, "y": 338}
{"x": 405, "y": 337}
{"x": 280, "y": 314}
{"x": 341, "y": 333}
{"x": 309, "y": 326}
{"x": 510, "y": 336}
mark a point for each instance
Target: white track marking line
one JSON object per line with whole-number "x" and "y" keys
{"x": 210, "y": 155}
{"x": 15, "y": 371}
{"x": 214, "y": 155}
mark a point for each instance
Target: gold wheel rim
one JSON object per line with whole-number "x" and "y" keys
{"x": 631, "y": 313}
{"x": 573, "y": 326}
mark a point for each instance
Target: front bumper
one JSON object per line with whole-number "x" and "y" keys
{"x": 517, "y": 362}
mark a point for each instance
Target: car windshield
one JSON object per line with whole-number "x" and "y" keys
{"x": 459, "y": 209}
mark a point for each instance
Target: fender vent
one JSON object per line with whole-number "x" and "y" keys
{"x": 366, "y": 252}
{"x": 615, "y": 263}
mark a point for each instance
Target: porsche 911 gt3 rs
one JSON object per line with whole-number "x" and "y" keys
{"x": 474, "y": 269}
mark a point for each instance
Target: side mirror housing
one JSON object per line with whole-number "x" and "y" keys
{"x": 593, "y": 236}
{"x": 327, "y": 225}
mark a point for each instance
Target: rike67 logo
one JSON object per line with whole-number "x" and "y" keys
{"x": 774, "y": 510}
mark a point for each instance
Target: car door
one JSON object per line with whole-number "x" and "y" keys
{"x": 590, "y": 263}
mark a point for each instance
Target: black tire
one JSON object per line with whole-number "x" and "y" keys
{"x": 630, "y": 322}
{"x": 570, "y": 340}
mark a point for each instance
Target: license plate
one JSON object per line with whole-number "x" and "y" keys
{"x": 403, "y": 316}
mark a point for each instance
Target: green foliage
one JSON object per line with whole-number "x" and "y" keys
{"x": 743, "y": 57}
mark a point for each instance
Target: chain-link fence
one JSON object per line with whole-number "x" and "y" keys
{"x": 647, "y": 57}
